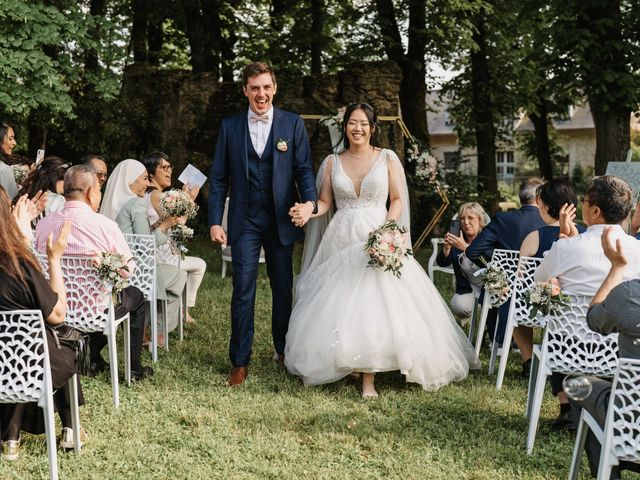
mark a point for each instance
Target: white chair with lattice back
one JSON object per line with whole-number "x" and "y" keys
{"x": 519, "y": 310}
{"x": 432, "y": 266}
{"x": 90, "y": 309}
{"x": 143, "y": 248}
{"x": 620, "y": 434}
{"x": 507, "y": 260}
{"x": 225, "y": 250}
{"x": 568, "y": 346}
{"x": 25, "y": 375}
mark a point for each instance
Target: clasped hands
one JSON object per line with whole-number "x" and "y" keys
{"x": 300, "y": 213}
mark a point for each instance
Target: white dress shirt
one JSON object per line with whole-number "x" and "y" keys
{"x": 580, "y": 264}
{"x": 259, "y": 131}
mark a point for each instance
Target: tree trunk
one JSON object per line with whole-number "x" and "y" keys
{"x": 540, "y": 120}
{"x": 485, "y": 131}
{"x": 201, "y": 37}
{"x": 612, "y": 136}
{"x": 156, "y": 40}
{"x": 96, "y": 8}
{"x": 317, "y": 22}
{"x": 139, "y": 31}
{"x": 413, "y": 88}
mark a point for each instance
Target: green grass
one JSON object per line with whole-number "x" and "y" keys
{"x": 185, "y": 423}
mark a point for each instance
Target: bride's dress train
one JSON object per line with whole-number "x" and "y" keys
{"x": 348, "y": 317}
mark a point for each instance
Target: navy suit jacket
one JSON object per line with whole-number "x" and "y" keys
{"x": 507, "y": 231}
{"x": 293, "y": 178}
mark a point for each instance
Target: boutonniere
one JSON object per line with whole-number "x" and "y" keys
{"x": 282, "y": 145}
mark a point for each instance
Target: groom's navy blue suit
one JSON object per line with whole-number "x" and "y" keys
{"x": 261, "y": 191}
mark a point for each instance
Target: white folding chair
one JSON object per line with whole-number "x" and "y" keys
{"x": 90, "y": 309}
{"x": 568, "y": 346}
{"x": 519, "y": 310}
{"x": 432, "y": 266}
{"x": 143, "y": 248}
{"x": 225, "y": 251}
{"x": 508, "y": 261}
{"x": 25, "y": 375}
{"x": 165, "y": 255}
{"x": 620, "y": 435}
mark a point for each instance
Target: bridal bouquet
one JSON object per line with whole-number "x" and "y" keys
{"x": 426, "y": 164}
{"x": 110, "y": 268}
{"x": 546, "y": 298}
{"x": 387, "y": 246}
{"x": 177, "y": 203}
{"x": 496, "y": 283}
{"x": 179, "y": 236}
{"x": 20, "y": 173}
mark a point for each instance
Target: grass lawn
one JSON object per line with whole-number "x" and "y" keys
{"x": 185, "y": 423}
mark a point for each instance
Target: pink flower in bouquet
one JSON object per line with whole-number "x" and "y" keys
{"x": 555, "y": 287}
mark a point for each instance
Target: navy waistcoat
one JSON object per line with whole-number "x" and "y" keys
{"x": 260, "y": 176}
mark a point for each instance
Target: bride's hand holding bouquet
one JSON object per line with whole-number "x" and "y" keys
{"x": 387, "y": 247}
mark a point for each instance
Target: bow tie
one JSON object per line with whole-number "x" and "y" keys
{"x": 253, "y": 118}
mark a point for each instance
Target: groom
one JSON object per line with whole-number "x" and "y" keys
{"x": 265, "y": 152}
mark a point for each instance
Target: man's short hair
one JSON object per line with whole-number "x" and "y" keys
{"x": 613, "y": 196}
{"x": 88, "y": 160}
{"x": 257, "y": 68}
{"x": 527, "y": 191}
{"x": 78, "y": 179}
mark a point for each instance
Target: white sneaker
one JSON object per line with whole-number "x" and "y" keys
{"x": 66, "y": 439}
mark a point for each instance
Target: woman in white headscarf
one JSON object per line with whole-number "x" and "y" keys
{"x": 123, "y": 202}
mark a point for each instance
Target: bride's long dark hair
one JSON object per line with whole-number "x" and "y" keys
{"x": 373, "y": 122}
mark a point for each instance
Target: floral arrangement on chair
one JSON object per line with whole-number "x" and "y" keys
{"x": 334, "y": 120}
{"x": 111, "y": 267}
{"x": 546, "y": 298}
{"x": 496, "y": 283}
{"x": 179, "y": 236}
{"x": 177, "y": 203}
{"x": 387, "y": 247}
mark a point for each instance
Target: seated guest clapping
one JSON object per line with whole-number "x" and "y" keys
{"x": 24, "y": 287}
{"x": 550, "y": 197}
{"x": 124, "y": 202}
{"x": 579, "y": 263}
{"x": 472, "y": 219}
{"x": 92, "y": 233}
{"x": 614, "y": 308}
{"x": 47, "y": 177}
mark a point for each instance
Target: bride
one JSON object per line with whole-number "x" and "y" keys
{"x": 347, "y": 317}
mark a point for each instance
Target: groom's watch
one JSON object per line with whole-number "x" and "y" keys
{"x": 315, "y": 207}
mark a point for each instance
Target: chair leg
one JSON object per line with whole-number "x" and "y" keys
{"x": 496, "y": 350}
{"x": 50, "y": 430}
{"x": 578, "y": 448}
{"x": 127, "y": 348}
{"x": 165, "y": 325}
{"x": 184, "y": 311}
{"x": 504, "y": 356}
{"x": 472, "y": 323}
{"x": 536, "y": 405}
{"x": 482, "y": 324}
{"x": 113, "y": 364}
{"x": 75, "y": 412}
{"x": 154, "y": 330}
{"x": 224, "y": 268}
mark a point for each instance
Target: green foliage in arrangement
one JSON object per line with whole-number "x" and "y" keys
{"x": 185, "y": 423}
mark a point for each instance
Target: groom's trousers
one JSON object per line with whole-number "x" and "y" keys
{"x": 259, "y": 231}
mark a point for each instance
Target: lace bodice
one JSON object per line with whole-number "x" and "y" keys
{"x": 374, "y": 189}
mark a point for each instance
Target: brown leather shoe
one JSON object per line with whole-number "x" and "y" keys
{"x": 237, "y": 376}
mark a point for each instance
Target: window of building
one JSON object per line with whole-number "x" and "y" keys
{"x": 451, "y": 160}
{"x": 505, "y": 166}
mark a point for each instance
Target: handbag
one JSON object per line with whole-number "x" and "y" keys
{"x": 65, "y": 335}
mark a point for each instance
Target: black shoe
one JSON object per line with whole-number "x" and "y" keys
{"x": 526, "y": 369}
{"x": 97, "y": 367}
{"x": 137, "y": 376}
{"x": 563, "y": 422}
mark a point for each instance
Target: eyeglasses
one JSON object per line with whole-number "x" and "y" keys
{"x": 101, "y": 175}
{"x": 584, "y": 200}
{"x": 166, "y": 168}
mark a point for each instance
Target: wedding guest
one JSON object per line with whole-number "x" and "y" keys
{"x": 90, "y": 234}
{"x": 159, "y": 168}
{"x": 123, "y": 202}
{"x": 47, "y": 177}
{"x": 99, "y": 165}
{"x": 24, "y": 287}
{"x": 473, "y": 219}
{"x": 550, "y": 198}
{"x": 7, "y": 143}
{"x": 506, "y": 231}
{"x": 18, "y": 159}
{"x": 615, "y": 308}
{"x": 579, "y": 262}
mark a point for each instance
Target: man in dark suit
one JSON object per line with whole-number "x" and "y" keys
{"x": 507, "y": 231}
{"x": 614, "y": 308}
{"x": 265, "y": 152}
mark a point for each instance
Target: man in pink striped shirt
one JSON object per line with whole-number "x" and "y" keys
{"x": 90, "y": 234}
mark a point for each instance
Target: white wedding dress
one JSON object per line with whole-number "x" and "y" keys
{"x": 351, "y": 318}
